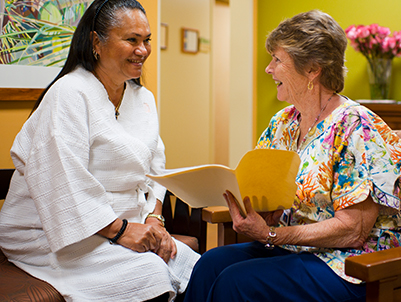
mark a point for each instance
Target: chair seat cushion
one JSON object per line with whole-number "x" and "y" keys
{"x": 17, "y": 285}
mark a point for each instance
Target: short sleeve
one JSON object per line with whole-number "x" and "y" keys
{"x": 362, "y": 164}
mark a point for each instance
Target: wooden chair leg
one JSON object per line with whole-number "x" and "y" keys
{"x": 382, "y": 290}
{"x": 226, "y": 234}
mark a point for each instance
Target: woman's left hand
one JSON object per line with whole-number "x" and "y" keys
{"x": 253, "y": 225}
{"x": 167, "y": 248}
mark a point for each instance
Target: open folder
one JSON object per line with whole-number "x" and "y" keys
{"x": 266, "y": 176}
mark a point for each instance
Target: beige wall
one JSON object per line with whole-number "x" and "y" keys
{"x": 207, "y": 114}
{"x": 185, "y": 94}
{"x": 221, "y": 82}
{"x": 14, "y": 114}
{"x": 241, "y": 79}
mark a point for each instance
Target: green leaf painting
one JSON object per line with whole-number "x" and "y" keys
{"x": 38, "y": 32}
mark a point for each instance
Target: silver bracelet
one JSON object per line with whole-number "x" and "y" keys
{"x": 269, "y": 240}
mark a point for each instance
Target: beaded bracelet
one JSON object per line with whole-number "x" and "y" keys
{"x": 120, "y": 232}
{"x": 269, "y": 240}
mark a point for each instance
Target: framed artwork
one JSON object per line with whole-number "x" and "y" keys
{"x": 163, "y": 35}
{"x": 35, "y": 37}
{"x": 189, "y": 40}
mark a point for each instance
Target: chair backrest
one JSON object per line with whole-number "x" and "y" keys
{"x": 184, "y": 221}
{"x": 5, "y": 177}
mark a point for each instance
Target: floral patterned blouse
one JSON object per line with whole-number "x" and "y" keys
{"x": 350, "y": 154}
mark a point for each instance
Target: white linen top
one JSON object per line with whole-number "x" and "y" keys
{"x": 78, "y": 168}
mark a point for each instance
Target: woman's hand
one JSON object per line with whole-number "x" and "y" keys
{"x": 167, "y": 248}
{"x": 151, "y": 236}
{"x": 137, "y": 236}
{"x": 253, "y": 225}
{"x": 140, "y": 237}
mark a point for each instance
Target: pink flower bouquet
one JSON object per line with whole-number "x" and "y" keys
{"x": 374, "y": 41}
{"x": 379, "y": 47}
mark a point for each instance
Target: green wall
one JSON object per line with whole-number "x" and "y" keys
{"x": 345, "y": 12}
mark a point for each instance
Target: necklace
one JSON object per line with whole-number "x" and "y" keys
{"x": 116, "y": 112}
{"x": 314, "y": 123}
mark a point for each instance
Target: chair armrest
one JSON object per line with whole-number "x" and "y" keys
{"x": 375, "y": 266}
{"x": 225, "y": 233}
{"x": 216, "y": 215}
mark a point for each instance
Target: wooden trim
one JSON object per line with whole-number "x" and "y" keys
{"x": 390, "y": 113}
{"x": 19, "y": 94}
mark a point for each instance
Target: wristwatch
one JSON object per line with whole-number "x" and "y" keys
{"x": 159, "y": 217}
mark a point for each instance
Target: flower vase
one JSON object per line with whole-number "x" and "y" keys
{"x": 379, "y": 71}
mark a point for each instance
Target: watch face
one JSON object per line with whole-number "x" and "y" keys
{"x": 160, "y": 217}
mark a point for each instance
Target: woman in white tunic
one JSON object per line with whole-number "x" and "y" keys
{"x": 80, "y": 182}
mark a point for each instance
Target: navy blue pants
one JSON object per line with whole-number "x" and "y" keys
{"x": 250, "y": 272}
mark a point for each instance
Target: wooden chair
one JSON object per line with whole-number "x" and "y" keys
{"x": 381, "y": 271}
{"x": 225, "y": 233}
{"x": 16, "y": 285}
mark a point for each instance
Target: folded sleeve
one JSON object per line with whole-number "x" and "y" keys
{"x": 363, "y": 165}
{"x": 71, "y": 203}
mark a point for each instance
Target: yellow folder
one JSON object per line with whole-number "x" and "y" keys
{"x": 266, "y": 176}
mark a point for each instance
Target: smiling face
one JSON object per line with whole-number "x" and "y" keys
{"x": 291, "y": 85}
{"x": 122, "y": 55}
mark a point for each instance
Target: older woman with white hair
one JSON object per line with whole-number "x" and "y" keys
{"x": 347, "y": 200}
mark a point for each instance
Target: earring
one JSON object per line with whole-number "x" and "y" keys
{"x": 310, "y": 85}
{"x": 95, "y": 54}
